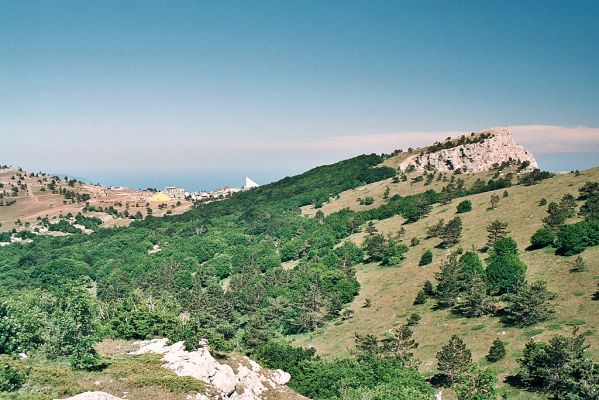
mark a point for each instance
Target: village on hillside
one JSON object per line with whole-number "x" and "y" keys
{"x": 42, "y": 204}
{"x": 172, "y": 192}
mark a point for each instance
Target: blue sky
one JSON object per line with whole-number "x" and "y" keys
{"x": 203, "y": 93}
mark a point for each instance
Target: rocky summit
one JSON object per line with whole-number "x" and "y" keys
{"x": 480, "y": 152}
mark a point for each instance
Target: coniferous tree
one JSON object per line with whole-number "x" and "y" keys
{"x": 453, "y": 358}
{"x": 399, "y": 344}
{"x": 477, "y": 384}
{"x": 497, "y": 351}
{"x": 556, "y": 216}
{"x": 560, "y": 367}
{"x": 374, "y": 245}
{"x": 426, "y": 258}
{"x": 428, "y": 288}
{"x": 494, "y": 201}
{"x": 421, "y": 297}
{"x": 496, "y": 230}
{"x": 476, "y": 302}
{"x": 452, "y": 233}
{"x": 530, "y": 304}
{"x": 413, "y": 319}
{"x": 448, "y": 282}
{"x": 568, "y": 205}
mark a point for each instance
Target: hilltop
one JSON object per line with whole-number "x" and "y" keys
{"x": 317, "y": 275}
{"x": 27, "y": 198}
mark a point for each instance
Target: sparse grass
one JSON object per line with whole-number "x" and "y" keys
{"x": 139, "y": 377}
{"x": 524, "y": 217}
{"x": 575, "y": 322}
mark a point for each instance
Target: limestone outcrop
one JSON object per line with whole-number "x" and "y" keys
{"x": 94, "y": 396}
{"x": 491, "y": 148}
{"x": 248, "y": 381}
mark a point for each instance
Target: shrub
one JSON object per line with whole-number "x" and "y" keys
{"x": 11, "y": 376}
{"x": 426, "y": 258}
{"x": 543, "y": 237}
{"x": 464, "y": 206}
{"x": 414, "y": 319}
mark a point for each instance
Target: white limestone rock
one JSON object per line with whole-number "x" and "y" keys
{"x": 251, "y": 382}
{"x": 474, "y": 157}
{"x": 94, "y": 396}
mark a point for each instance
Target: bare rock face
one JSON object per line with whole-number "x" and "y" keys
{"x": 498, "y": 146}
{"x": 250, "y": 382}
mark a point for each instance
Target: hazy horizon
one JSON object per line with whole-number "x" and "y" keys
{"x": 147, "y": 93}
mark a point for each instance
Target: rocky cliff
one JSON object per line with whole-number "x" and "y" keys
{"x": 476, "y": 153}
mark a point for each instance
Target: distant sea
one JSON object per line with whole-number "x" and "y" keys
{"x": 190, "y": 180}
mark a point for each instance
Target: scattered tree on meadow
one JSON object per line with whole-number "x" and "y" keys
{"x": 464, "y": 206}
{"x": 497, "y": 351}
{"x": 476, "y": 302}
{"x": 453, "y": 358}
{"x": 452, "y": 233}
{"x": 496, "y": 230}
{"x": 504, "y": 270}
{"x": 413, "y": 319}
{"x": 555, "y": 216}
{"x": 561, "y": 367}
{"x": 543, "y": 237}
{"x": 476, "y": 383}
{"x": 494, "y": 201}
{"x": 421, "y": 297}
{"x": 426, "y": 258}
{"x": 529, "y": 304}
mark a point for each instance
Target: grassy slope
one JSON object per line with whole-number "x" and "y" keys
{"x": 392, "y": 290}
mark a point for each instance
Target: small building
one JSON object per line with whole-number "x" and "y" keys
{"x": 249, "y": 184}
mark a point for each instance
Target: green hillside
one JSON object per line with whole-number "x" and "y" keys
{"x": 254, "y": 272}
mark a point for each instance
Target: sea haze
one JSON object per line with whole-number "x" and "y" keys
{"x": 191, "y": 180}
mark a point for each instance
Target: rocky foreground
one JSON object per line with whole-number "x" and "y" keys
{"x": 238, "y": 379}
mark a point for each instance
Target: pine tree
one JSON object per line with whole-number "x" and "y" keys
{"x": 428, "y": 288}
{"x": 256, "y": 331}
{"x": 497, "y": 230}
{"x": 476, "y": 301}
{"x": 448, "y": 282}
{"x": 494, "y": 201}
{"x": 497, "y": 351}
{"x": 530, "y": 304}
{"x": 420, "y": 297}
{"x": 367, "y": 345}
{"x": 399, "y": 345}
{"x": 451, "y": 233}
{"x": 371, "y": 229}
{"x": 454, "y": 358}
{"x": 413, "y": 319}
{"x": 477, "y": 384}
{"x": 556, "y": 216}
{"x": 568, "y": 205}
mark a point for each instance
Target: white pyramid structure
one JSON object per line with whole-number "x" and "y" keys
{"x": 249, "y": 184}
